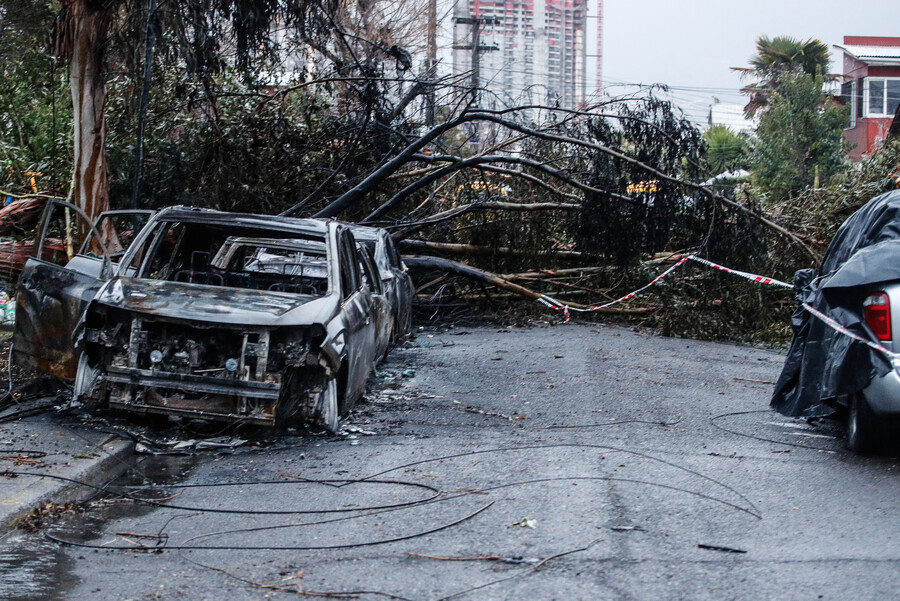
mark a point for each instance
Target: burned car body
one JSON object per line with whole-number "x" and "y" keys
{"x": 234, "y": 317}
{"x": 396, "y": 283}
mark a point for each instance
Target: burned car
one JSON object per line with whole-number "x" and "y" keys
{"x": 396, "y": 283}
{"x": 218, "y": 316}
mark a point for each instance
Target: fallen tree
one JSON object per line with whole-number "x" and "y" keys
{"x": 479, "y": 275}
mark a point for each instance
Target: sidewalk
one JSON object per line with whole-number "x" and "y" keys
{"x": 54, "y": 452}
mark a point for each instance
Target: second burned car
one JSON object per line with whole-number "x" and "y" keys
{"x": 222, "y": 316}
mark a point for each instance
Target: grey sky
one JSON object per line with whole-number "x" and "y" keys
{"x": 692, "y": 45}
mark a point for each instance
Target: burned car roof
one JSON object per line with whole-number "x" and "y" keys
{"x": 247, "y": 221}
{"x": 363, "y": 232}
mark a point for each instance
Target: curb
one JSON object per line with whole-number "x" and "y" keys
{"x": 118, "y": 457}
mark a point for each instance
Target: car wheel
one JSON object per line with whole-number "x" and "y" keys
{"x": 864, "y": 430}
{"x": 85, "y": 379}
{"x": 326, "y": 411}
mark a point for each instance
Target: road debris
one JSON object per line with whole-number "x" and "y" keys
{"x": 441, "y": 558}
{"x": 525, "y": 523}
{"x": 719, "y": 548}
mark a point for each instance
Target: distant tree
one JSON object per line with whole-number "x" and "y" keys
{"x": 99, "y": 37}
{"x": 800, "y": 137}
{"x": 776, "y": 56}
{"x": 725, "y": 149}
{"x": 34, "y": 107}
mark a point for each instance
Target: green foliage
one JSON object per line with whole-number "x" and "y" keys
{"x": 784, "y": 54}
{"x": 35, "y": 105}
{"x": 725, "y": 150}
{"x": 800, "y": 138}
{"x": 776, "y": 57}
{"x": 819, "y": 212}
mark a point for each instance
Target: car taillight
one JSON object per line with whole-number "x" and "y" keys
{"x": 877, "y": 309}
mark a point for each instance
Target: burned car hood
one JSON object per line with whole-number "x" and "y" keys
{"x": 215, "y": 304}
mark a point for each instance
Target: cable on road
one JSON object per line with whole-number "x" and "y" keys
{"x": 469, "y": 493}
{"x": 155, "y": 503}
{"x": 435, "y": 494}
{"x": 31, "y": 454}
{"x": 284, "y": 589}
{"x": 527, "y": 570}
{"x": 752, "y": 510}
{"x": 763, "y": 439}
{"x": 662, "y": 424}
{"x": 436, "y": 497}
{"x": 132, "y": 548}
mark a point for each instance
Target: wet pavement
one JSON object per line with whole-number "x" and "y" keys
{"x": 576, "y": 462}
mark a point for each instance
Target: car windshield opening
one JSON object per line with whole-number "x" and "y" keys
{"x": 236, "y": 257}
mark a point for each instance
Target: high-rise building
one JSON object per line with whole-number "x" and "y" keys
{"x": 530, "y": 51}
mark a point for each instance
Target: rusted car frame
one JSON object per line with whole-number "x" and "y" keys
{"x": 231, "y": 317}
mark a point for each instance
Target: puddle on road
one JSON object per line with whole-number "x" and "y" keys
{"x": 33, "y": 568}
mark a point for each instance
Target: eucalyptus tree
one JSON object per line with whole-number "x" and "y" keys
{"x": 203, "y": 36}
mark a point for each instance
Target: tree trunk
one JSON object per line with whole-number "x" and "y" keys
{"x": 87, "y": 24}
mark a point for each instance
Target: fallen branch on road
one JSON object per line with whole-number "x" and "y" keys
{"x": 441, "y": 558}
{"x": 487, "y": 277}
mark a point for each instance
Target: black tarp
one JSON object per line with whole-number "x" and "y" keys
{"x": 822, "y": 364}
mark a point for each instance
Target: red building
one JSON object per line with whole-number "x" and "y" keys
{"x": 871, "y": 86}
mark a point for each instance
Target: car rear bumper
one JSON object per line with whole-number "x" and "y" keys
{"x": 883, "y": 393}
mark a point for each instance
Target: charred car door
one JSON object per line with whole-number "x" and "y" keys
{"x": 401, "y": 288}
{"x": 358, "y": 325}
{"x": 52, "y": 298}
{"x": 114, "y": 231}
{"x": 381, "y": 306}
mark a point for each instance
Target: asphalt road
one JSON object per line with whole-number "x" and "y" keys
{"x": 573, "y": 462}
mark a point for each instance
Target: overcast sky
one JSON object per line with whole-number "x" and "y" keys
{"x": 691, "y": 45}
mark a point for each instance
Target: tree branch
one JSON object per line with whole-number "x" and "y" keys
{"x": 487, "y": 277}
{"x": 417, "y": 226}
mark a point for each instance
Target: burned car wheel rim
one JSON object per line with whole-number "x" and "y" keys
{"x": 328, "y": 409}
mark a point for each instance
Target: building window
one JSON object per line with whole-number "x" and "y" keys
{"x": 882, "y": 95}
{"x": 848, "y": 97}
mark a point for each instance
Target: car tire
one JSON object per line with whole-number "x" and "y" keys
{"x": 865, "y": 431}
{"x": 85, "y": 379}
{"x": 327, "y": 415}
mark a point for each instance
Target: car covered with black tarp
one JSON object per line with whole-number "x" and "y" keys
{"x": 858, "y": 285}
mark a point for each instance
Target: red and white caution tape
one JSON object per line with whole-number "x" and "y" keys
{"x": 750, "y": 276}
{"x": 833, "y": 323}
{"x": 829, "y": 321}
{"x": 560, "y": 306}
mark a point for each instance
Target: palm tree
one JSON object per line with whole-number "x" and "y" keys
{"x": 777, "y": 56}
{"x": 725, "y": 150}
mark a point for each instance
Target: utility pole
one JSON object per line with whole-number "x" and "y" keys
{"x": 477, "y": 48}
{"x": 431, "y": 65}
